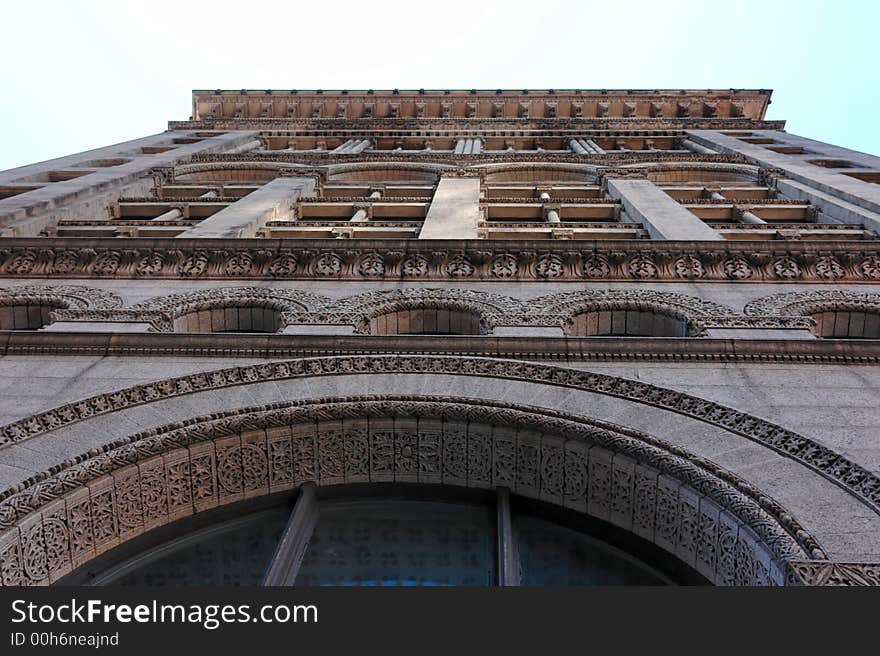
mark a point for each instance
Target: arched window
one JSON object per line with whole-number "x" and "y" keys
{"x": 243, "y": 318}
{"x": 844, "y": 323}
{"x": 24, "y": 314}
{"x": 418, "y": 540}
{"x": 627, "y": 322}
{"x": 426, "y": 320}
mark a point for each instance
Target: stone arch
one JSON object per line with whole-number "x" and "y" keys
{"x": 31, "y": 307}
{"x": 204, "y": 310}
{"x": 835, "y": 312}
{"x": 360, "y": 310}
{"x": 699, "y": 512}
{"x": 697, "y": 172}
{"x": 377, "y": 171}
{"x": 661, "y": 313}
{"x": 544, "y": 172}
{"x": 699, "y": 425}
{"x": 225, "y": 170}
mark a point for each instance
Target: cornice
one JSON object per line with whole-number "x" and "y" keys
{"x": 488, "y": 157}
{"x": 558, "y": 349}
{"x": 440, "y": 260}
{"x": 479, "y": 123}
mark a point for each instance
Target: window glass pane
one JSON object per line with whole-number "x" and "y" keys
{"x": 400, "y": 543}
{"x": 553, "y": 555}
{"x": 231, "y": 553}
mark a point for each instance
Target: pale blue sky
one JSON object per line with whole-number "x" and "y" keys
{"x": 81, "y": 74}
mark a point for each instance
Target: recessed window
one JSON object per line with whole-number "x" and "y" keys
{"x": 426, "y": 321}
{"x": 832, "y": 163}
{"x": 9, "y": 192}
{"x": 787, "y": 150}
{"x": 104, "y": 163}
{"x": 627, "y": 323}
{"x": 155, "y": 150}
{"x": 401, "y": 544}
{"x": 231, "y": 319}
{"x": 232, "y": 552}
{"x": 24, "y": 316}
{"x": 866, "y": 176}
{"x": 54, "y": 176}
{"x": 848, "y": 324}
{"x": 370, "y": 542}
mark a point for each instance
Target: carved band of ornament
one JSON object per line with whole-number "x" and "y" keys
{"x": 620, "y": 174}
{"x": 706, "y": 516}
{"x": 769, "y": 176}
{"x": 160, "y": 322}
{"x": 555, "y": 310}
{"x": 811, "y": 302}
{"x": 759, "y": 203}
{"x": 500, "y": 200}
{"x": 285, "y": 299}
{"x": 848, "y": 475}
{"x": 646, "y": 299}
{"x": 68, "y": 296}
{"x": 129, "y": 223}
{"x": 826, "y": 573}
{"x": 501, "y": 123}
{"x": 320, "y": 200}
{"x": 152, "y": 200}
{"x": 481, "y": 260}
{"x": 738, "y": 321}
{"x": 486, "y": 157}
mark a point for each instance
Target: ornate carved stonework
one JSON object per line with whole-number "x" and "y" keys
{"x": 791, "y": 304}
{"x": 435, "y": 260}
{"x": 823, "y": 572}
{"x": 70, "y": 296}
{"x": 149, "y": 478}
{"x": 294, "y": 230}
{"x": 855, "y": 479}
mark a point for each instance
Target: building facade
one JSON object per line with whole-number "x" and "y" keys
{"x": 444, "y": 338}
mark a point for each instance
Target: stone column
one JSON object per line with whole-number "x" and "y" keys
{"x": 596, "y": 148}
{"x": 455, "y": 210}
{"x": 576, "y": 147}
{"x": 344, "y": 148}
{"x": 748, "y": 217}
{"x": 362, "y": 213}
{"x": 271, "y": 202}
{"x": 360, "y": 146}
{"x": 459, "y": 146}
{"x": 661, "y": 215}
{"x": 170, "y": 215}
{"x": 477, "y": 146}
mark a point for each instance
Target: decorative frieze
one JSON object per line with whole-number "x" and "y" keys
{"x": 477, "y": 260}
{"x": 581, "y": 464}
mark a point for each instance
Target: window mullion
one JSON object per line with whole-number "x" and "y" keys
{"x": 294, "y": 541}
{"x": 508, "y": 559}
